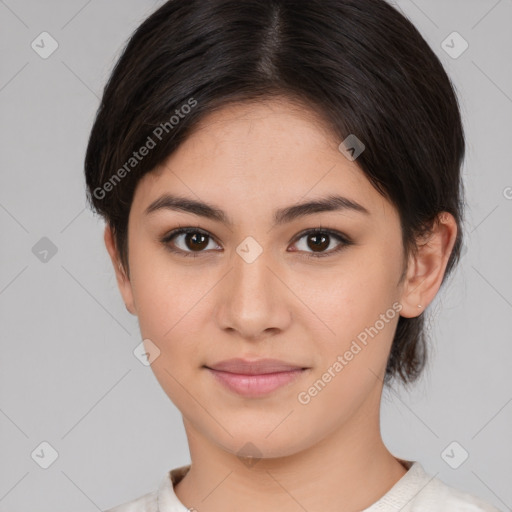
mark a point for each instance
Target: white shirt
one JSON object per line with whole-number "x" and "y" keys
{"x": 416, "y": 491}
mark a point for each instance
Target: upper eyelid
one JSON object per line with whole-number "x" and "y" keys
{"x": 329, "y": 231}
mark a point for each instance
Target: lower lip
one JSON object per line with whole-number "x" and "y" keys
{"x": 255, "y": 385}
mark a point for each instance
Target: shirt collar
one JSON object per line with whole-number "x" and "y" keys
{"x": 395, "y": 499}
{"x": 167, "y": 499}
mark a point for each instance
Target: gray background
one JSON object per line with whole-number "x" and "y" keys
{"x": 68, "y": 375}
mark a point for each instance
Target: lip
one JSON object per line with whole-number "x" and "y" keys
{"x": 256, "y": 385}
{"x": 255, "y": 378}
{"x": 254, "y": 367}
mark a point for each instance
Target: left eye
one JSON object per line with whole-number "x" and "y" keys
{"x": 319, "y": 240}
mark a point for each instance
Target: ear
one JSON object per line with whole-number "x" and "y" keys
{"x": 426, "y": 268}
{"x": 123, "y": 282}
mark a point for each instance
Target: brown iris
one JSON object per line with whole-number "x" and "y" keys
{"x": 321, "y": 245}
{"x": 196, "y": 241}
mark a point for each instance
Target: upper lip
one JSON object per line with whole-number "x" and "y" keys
{"x": 255, "y": 367}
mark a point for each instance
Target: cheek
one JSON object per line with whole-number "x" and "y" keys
{"x": 169, "y": 310}
{"x": 166, "y": 298}
{"x": 358, "y": 320}
{"x": 169, "y": 305}
{"x": 351, "y": 297}
{"x": 359, "y": 312}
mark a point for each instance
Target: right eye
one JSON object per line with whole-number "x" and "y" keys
{"x": 194, "y": 241}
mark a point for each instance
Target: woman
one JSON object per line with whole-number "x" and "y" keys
{"x": 282, "y": 193}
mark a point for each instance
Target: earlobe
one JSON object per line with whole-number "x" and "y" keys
{"x": 123, "y": 282}
{"x": 427, "y": 266}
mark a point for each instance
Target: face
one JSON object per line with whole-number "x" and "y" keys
{"x": 317, "y": 288}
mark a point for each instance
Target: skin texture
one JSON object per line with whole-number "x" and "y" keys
{"x": 250, "y": 159}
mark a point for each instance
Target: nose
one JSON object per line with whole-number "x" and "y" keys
{"x": 254, "y": 299}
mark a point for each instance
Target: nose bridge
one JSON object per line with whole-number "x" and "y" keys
{"x": 251, "y": 276}
{"x": 252, "y": 301}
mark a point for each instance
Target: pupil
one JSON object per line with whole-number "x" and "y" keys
{"x": 317, "y": 244}
{"x": 194, "y": 237}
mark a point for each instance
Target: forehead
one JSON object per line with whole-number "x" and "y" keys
{"x": 277, "y": 111}
{"x": 273, "y": 151}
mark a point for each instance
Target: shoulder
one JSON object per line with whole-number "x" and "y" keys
{"x": 162, "y": 493}
{"x": 436, "y": 495}
{"x": 145, "y": 503}
{"x": 419, "y": 491}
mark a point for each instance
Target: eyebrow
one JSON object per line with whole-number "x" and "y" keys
{"x": 281, "y": 216}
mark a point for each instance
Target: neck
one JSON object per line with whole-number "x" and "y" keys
{"x": 346, "y": 471}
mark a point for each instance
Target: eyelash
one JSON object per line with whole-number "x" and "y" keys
{"x": 344, "y": 241}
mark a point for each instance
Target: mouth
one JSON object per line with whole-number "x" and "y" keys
{"x": 255, "y": 378}
{"x": 254, "y": 367}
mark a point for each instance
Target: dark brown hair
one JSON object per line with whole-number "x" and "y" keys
{"x": 359, "y": 64}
